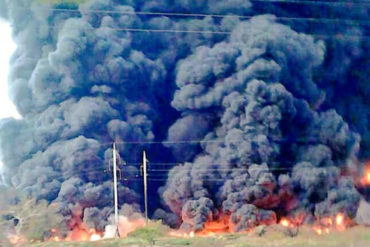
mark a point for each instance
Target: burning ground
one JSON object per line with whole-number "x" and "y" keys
{"x": 357, "y": 236}
{"x": 281, "y": 127}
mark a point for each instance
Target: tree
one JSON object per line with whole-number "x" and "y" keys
{"x": 29, "y": 218}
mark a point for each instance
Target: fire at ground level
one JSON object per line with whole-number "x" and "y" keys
{"x": 325, "y": 230}
{"x": 330, "y": 231}
{"x": 223, "y": 226}
{"x": 274, "y": 235}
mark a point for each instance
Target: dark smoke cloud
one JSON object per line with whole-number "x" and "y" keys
{"x": 263, "y": 129}
{"x": 344, "y": 73}
{"x": 193, "y": 6}
{"x": 261, "y": 98}
{"x": 249, "y": 216}
{"x": 180, "y": 131}
{"x": 79, "y": 83}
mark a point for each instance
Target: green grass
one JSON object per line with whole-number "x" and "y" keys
{"x": 149, "y": 234}
{"x": 174, "y": 242}
{"x": 155, "y": 235}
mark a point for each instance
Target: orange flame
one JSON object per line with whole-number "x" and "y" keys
{"x": 321, "y": 230}
{"x": 16, "y": 239}
{"x": 221, "y": 225}
{"x": 180, "y": 234}
{"x": 78, "y": 234}
{"x": 285, "y": 222}
{"x": 292, "y": 222}
{"x": 365, "y": 180}
{"x": 213, "y": 227}
{"x": 340, "y": 222}
{"x": 317, "y": 230}
{"x": 326, "y": 224}
{"x": 126, "y": 225}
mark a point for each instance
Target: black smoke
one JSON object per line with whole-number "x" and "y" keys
{"x": 344, "y": 26}
{"x": 259, "y": 84}
{"x": 258, "y": 92}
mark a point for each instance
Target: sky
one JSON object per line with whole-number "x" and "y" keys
{"x": 7, "y": 47}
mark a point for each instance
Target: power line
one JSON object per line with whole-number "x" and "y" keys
{"x": 149, "y": 30}
{"x": 164, "y": 177}
{"x": 151, "y": 177}
{"x": 170, "y": 31}
{"x": 175, "y": 179}
{"x": 336, "y": 36}
{"x": 192, "y": 142}
{"x": 88, "y": 170}
{"x": 172, "y": 165}
{"x": 165, "y": 163}
{"x": 305, "y": 140}
{"x": 176, "y": 142}
{"x": 223, "y": 169}
{"x": 340, "y": 2}
{"x": 195, "y": 15}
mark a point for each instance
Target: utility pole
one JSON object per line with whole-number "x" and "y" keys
{"x": 145, "y": 186}
{"x": 115, "y": 190}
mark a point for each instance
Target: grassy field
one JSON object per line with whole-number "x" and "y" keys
{"x": 274, "y": 236}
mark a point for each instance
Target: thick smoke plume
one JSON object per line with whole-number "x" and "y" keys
{"x": 276, "y": 134}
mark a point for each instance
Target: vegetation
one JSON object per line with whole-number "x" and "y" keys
{"x": 358, "y": 236}
{"x": 26, "y": 217}
{"x": 291, "y": 231}
{"x": 149, "y": 234}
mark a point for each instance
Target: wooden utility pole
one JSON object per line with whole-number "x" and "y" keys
{"x": 115, "y": 190}
{"x": 145, "y": 186}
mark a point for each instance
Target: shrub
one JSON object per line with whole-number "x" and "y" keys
{"x": 28, "y": 217}
{"x": 149, "y": 233}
